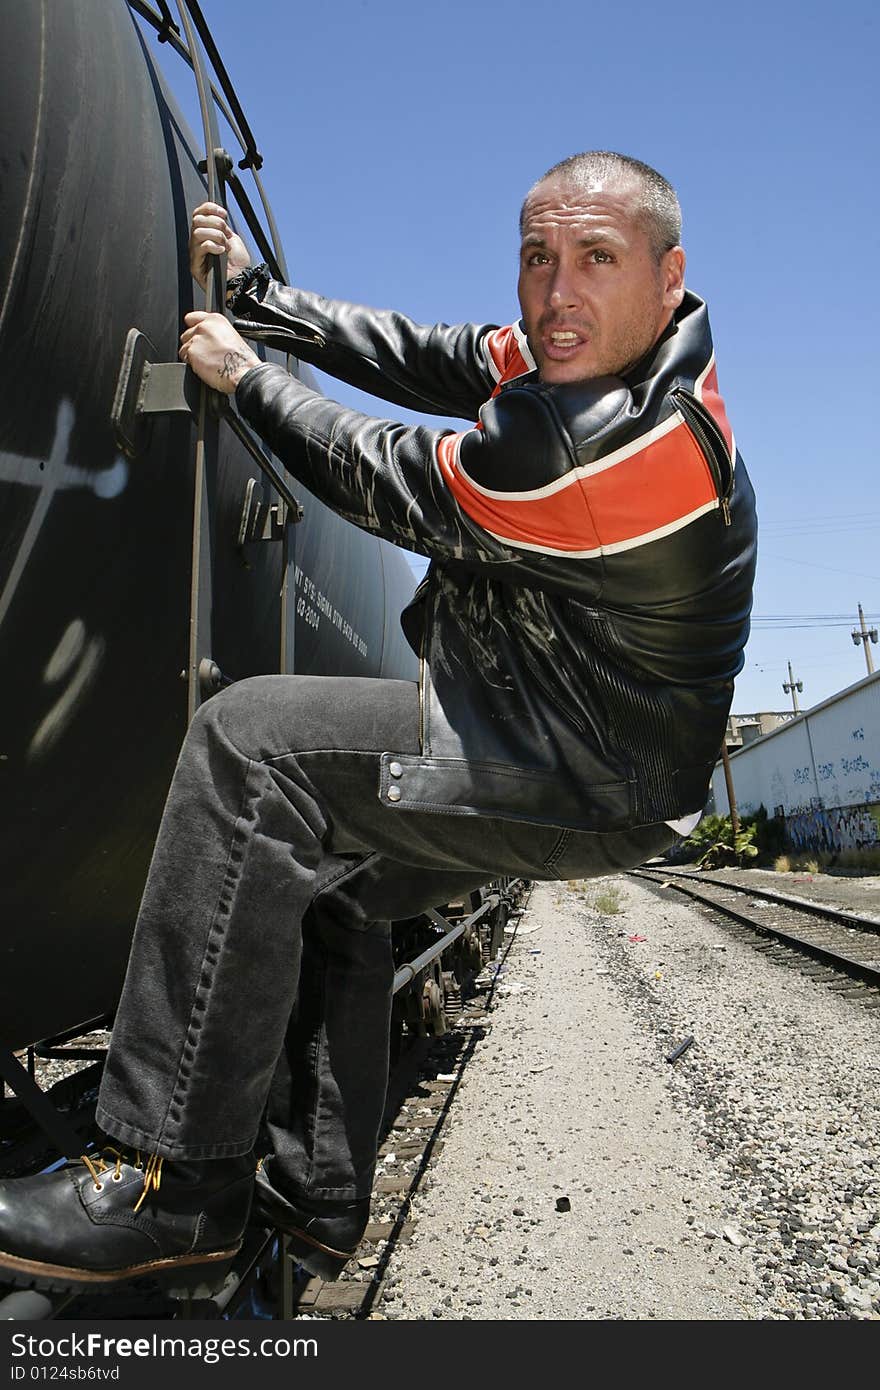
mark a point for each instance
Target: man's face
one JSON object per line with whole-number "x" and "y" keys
{"x": 593, "y": 295}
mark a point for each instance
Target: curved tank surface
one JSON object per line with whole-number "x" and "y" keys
{"x": 99, "y": 177}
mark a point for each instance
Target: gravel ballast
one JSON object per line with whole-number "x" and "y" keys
{"x": 584, "y": 1176}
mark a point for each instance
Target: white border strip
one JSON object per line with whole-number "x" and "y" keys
{"x": 523, "y": 344}
{"x": 700, "y": 381}
{"x": 493, "y": 365}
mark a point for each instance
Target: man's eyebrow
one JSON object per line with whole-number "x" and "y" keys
{"x": 588, "y": 238}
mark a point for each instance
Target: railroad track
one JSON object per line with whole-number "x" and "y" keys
{"x": 426, "y": 1087}
{"x": 832, "y": 945}
{"x": 421, "y": 1092}
{"x": 267, "y": 1282}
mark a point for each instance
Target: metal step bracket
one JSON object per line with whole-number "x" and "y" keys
{"x": 147, "y": 387}
{"x": 260, "y": 521}
{"x": 168, "y": 388}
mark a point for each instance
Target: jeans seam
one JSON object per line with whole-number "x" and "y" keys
{"x": 314, "y": 1109}
{"x": 556, "y": 852}
{"x": 215, "y": 933}
{"x": 131, "y": 1135}
{"x": 302, "y": 755}
{"x": 345, "y": 872}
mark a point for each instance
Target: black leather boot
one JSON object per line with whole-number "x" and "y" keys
{"x": 109, "y": 1218}
{"x": 324, "y": 1235}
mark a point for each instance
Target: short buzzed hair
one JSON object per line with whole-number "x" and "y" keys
{"x": 658, "y": 202}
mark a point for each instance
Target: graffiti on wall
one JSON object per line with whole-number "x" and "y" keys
{"x": 819, "y": 773}
{"x": 842, "y": 827}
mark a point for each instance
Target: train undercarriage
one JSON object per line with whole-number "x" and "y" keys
{"x": 438, "y": 957}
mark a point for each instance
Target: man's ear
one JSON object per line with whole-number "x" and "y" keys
{"x": 672, "y": 271}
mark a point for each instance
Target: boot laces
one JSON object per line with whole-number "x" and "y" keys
{"x": 98, "y": 1165}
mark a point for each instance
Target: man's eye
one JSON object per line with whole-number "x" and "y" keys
{"x": 538, "y": 258}
{"x": 601, "y": 257}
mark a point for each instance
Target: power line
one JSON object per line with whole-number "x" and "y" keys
{"x": 820, "y": 521}
{"x": 823, "y": 619}
{"x": 814, "y": 565}
{"x": 790, "y": 627}
{"x": 855, "y": 521}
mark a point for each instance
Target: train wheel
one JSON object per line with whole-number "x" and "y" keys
{"x": 432, "y": 1002}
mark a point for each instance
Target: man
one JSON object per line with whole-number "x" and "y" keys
{"x": 592, "y": 545}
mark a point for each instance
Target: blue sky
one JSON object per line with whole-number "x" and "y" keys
{"x": 399, "y": 141}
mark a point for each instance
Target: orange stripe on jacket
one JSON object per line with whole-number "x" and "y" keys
{"x": 504, "y": 351}
{"x": 658, "y": 488}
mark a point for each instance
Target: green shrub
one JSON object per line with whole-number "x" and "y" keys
{"x": 710, "y": 830}
{"x": 608, "y": 902}
{"x": 722, "y": 854}
{"x": 761, "y": 839}
{"x": 770, "y": 836}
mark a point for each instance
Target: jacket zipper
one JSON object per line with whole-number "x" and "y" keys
{"x": 310, "y": 335}
{"x": 712, "y": 446}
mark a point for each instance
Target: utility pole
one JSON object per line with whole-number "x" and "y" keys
{"x": 791, "y": 687}
{"x": 865, "y": 635}
{"x": 731, "y": 794}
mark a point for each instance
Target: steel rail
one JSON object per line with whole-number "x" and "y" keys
{"x": 826, "y": 910}
{"x": 837, "y": 959}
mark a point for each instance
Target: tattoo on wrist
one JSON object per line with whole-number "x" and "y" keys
{"x": 231, "y": 363}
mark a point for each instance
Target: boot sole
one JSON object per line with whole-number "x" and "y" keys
{"x": 318, "y": 1259}
{"x": 323, "y": 1260}
{"x": 201, "y": 1274}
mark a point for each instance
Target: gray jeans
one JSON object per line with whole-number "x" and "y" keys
{"x": 261, "y": 969}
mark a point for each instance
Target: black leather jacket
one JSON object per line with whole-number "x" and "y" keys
{"x": 592, "y": 547}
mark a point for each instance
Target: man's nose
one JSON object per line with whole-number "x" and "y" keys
{"x": 564, "y": 293}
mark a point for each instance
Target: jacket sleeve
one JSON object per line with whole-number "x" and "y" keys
{"x": 418, "y": 487}
{"x": 441, "y": 369}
